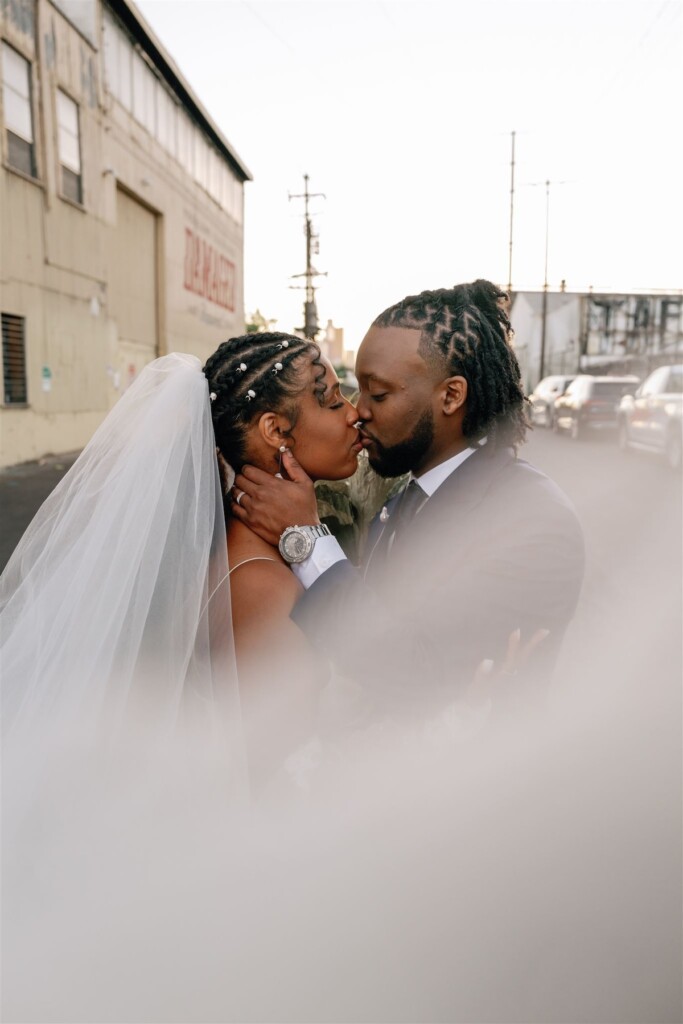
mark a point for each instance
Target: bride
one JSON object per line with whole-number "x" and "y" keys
{"x": 272, "y": 393}
{"x": 123, "y": 607}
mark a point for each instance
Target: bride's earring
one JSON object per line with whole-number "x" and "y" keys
{"x": 282, "y": 449}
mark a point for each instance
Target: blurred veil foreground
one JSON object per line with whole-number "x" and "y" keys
{"x": 529, "y": 872}
{"x": 432, "y": 865}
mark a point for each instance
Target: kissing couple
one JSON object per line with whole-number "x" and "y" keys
{"x": 155, "y": 584}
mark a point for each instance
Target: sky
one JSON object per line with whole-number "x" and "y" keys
{"x": 401, "y": 113}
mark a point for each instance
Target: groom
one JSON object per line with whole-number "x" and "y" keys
{"x": 478, "y": 545}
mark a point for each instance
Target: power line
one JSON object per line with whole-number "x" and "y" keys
{"x": 252, "y": 10}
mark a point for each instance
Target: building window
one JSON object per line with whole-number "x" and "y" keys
{"x": 14, "y": 359}
{"x": 16, "y": 92}
{"x": 144, "y": 94}
{"x": 69, "y": 147}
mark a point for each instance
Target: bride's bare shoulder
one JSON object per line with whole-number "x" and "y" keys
{"x": 259, "y": 578}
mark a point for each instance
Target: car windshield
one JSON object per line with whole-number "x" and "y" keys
{"x": 675, "y": 385}
{"x": 612, "y": 388}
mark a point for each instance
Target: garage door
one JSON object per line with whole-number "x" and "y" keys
{"x": 133, "y": 284}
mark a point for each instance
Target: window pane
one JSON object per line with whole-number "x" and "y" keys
{"x": 611, "y": 389}
{"x": 69, "y": 154}
{"x": 172, "y": 145}
{"x": 182, "y": 138}
{"x": 150, "y": 101}
{"x": 17, "y": 114}
{"x": 20, "y": 154}
{"x": 15, "y": 71}
{"x": 67, "y": 113}
{"x": 71, "y": 185}
{"x": 68, "y": 137}
{"x": 215, "y": 166}
{"x": 200, "y": 158}
{"x": 125, "y": 71}
{"x": 139, "y": 70}
{"x": 110, "y": 53}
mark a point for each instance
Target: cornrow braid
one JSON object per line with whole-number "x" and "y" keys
{"x": 466, "y": 331}
{"x": 252, "y": 374}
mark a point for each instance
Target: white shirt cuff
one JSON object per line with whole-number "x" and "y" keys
{"x": 326, "y": 551}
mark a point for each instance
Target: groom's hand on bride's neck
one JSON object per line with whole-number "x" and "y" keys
{"x": 268, "y": 504}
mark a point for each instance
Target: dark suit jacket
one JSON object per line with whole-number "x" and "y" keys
{"x": 497, "y": 547}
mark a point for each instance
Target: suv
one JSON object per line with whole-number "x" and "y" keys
{"x": 650, "y": 419}
{"x": 542, "y": 399}
{"x": 590, "y": 403}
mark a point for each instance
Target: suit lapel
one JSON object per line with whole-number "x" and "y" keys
{"x": 465, "y": 487}
{"x": 462, "y": 491}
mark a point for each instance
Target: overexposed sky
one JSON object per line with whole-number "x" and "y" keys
{"x": 401, "y": 113}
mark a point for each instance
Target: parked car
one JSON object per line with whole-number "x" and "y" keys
{"x": 542, "y": 399}
{"x": 590, "y": 404}
{"x": 651, "y": 419}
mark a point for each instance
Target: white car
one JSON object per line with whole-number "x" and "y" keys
{"x": 651, "y": 419}
{"x": 542, "y": 399}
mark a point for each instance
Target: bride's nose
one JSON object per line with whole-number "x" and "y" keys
{"x": 351, "y": 414}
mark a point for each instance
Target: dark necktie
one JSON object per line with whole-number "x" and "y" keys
{"x": 409, "y": 504}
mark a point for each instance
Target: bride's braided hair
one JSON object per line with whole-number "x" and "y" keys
{"x": 253, "y": 374}
{"x": 466, "y": 330}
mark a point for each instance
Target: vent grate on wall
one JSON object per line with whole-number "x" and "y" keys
{"x": 14, "y": 359}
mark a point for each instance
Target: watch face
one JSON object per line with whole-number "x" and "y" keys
{"x": 296, "y": 546}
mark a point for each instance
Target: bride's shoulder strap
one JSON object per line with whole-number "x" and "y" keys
{"x": 257, "y": 558}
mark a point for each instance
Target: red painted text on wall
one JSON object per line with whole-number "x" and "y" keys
{"x": 208, "y": 273}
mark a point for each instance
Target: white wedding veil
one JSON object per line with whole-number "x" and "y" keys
{"x": 112, "y": 612}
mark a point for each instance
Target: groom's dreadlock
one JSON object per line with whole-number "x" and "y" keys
{"x": 253, "y": 374}
{"x": 466, "y": 332}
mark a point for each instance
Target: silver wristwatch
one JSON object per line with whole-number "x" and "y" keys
{"x": 297, "y": 542}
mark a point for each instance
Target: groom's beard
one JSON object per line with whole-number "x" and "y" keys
{"x": 403, "y": 457}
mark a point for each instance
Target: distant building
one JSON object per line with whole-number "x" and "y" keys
{"x": 596, "y": 333}
{"x": 121, "y": 218}
{"x": 333, "y": 343}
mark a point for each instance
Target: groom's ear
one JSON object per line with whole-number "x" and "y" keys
{"x": 454, "y": 395}
{"x": 274, "y": 429}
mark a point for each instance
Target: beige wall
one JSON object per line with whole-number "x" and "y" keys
{"x": 149, "y": 263}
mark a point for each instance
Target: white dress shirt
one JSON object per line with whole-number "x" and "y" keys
{"x": 327, "y": 550}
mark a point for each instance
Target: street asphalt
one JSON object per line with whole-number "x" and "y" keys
{"x": 23, "y": 489}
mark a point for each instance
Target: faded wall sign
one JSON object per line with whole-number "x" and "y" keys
{"x": 207, "y": 272}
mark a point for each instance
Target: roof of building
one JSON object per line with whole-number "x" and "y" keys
{"x": 136, "y": 25}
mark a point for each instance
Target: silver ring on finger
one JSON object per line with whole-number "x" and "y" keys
{"x": 239, "y": 496}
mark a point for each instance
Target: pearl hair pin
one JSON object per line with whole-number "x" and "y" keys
{"x": 277, "y": 367}
{"x": 213, "y": 396}
{"x": 250, "y": 394}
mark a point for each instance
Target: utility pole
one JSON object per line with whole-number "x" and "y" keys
{"x": 544, "y": 313}
{"x": 512, "y": 207}
{"x": 310, "y": 328}
{"x": 544, "y": 307}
